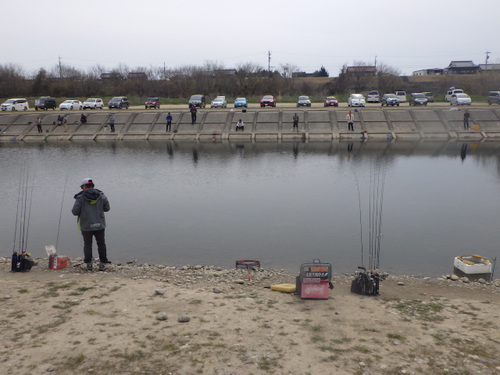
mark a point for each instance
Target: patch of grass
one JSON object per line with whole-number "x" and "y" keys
{"x": 267, "y": 363}
{"x": 423, "y": 311}
{"x": 136, "y": 355}
{"x": 52, "y": 289}
{"x": 195, "y": 302}
{"x": 73, "y": 362}
{"x": 80, "y": 290}
{"x": 316, "y": 328}
{"x": 17, "y": 314}
{"x": 395, "y": 336}
{"x": 467, "y": 313}
{"x": 170, "y": 347}
{"x": 326, "y": 348}
{"x": 343, "y": 340}
{"x": 361, "y": 349}
{"x": 64, "y": 305}
{"x": 23, "y": 291}
{"x": 317, "y": 338}
{"x": 61, "y": 319}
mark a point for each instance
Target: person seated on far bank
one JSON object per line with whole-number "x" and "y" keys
{"x": 240, "y": 125}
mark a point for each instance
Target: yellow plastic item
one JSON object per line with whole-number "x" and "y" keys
{"x": 287, "y": 288}
{"x": 476, "y": 127}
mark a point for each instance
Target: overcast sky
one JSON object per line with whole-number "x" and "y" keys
{"x": 408, "y": 35}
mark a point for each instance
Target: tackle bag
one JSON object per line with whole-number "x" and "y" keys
{"x": 314, "y": 280}
{"x": 366, "y": 282}
{"x": 21, "y": 262}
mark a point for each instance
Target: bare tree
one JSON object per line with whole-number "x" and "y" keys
{"x": 359, "y": 76}
{"x": 12, "y": 80}
{"x": 388, "y": 78}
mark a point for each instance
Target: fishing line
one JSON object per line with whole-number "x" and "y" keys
{"x": 21, "y": 173}
{"x": 25, "y": 207}
{"x": 360, "y": 219}
{"x": 29, "y": 209}
{"x": 60, "y": 211}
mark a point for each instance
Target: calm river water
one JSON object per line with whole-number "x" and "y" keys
{"x": 280, "y": 203}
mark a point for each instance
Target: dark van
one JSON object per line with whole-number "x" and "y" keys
{"x": 45, "y": 102}
{"x": 197, "y": 101}
{"x": 118, "y": 102}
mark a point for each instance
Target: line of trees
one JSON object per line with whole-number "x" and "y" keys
{"x": 248, "y": 79}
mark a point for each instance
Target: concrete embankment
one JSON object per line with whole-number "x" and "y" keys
{"x": 260, "y": 125}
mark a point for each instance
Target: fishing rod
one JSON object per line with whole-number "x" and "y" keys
{"x": 29, "y": 210}
{"x": 17, "y": 209}
{"x": 61, "y": 209}
{"x": 360, "y": 219}
{"x": 21, "y": 259}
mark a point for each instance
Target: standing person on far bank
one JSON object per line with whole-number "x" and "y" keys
{"x": 350, "y": 121}
{"x": 295, "y": 122}
{"x": 169, "y": 122}
{"x": 111, "y": 122}
{"x": 466, "y": 120}
{"x": 193, "y": 113}
{"x": 90, "y": 206}
{"x": 38, "y": 123}
{"x": 65, "y": 123}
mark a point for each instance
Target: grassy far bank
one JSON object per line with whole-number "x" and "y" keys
{"x": 139, "y": 101}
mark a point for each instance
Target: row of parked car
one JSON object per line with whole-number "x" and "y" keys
{"x": 47, "y": 102}
{"x": 453, "y": 96}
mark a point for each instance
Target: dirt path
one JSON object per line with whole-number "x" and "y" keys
{"x": 74, "y": 322}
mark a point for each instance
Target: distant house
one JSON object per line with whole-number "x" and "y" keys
{"x": 137, "y": 75}
{"x": 489, "y": 68}
{"x": 461, "y": 67}
{"x": 302, "y": 74}
{"x": 428, "y": 72}
{"x": 362, "y": 71}
{"x": 112, "y": 75}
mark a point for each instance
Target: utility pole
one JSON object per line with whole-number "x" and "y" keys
{"x": 269, "y": 61}
{"x": 60, "y": 68}
{"x": 487, "y": 58}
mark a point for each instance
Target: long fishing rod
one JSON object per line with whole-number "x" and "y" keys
{"x": 371, "y": 210}
{"x": 25, "y": 208}
{"x": 382, "y": 190}
{"x": 60, "y": 211}
{"x": 360, "y": 219}
{"x": 21, "y": 173}
{"x": 29, "y": 209}
{"x": 380, "y": 200}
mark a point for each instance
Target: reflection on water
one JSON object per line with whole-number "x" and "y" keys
{"x": 280, "y": 203}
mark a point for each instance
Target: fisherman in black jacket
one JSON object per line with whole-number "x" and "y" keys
{"x": 90, "y": 206}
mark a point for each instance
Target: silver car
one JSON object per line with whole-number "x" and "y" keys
{"x": 356, "y": 100}
{"x": 460, "y": 99}
{"x": 219, "y": 102}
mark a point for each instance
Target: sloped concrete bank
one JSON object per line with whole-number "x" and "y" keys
{"x": 260, "y": 125}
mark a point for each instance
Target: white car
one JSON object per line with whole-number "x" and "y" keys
{"x": 401, "y": 95}
{"x": 460, "y": 99}
{"x": 219, "y": 102}
{"x": 16, "y": 104}
{"x": 452, "y": 91}
{"x": 356, "y": 100}
{"x": 93, "y": 103}
{"x": 373, "y": 97}
{"x": 70, "y": 104}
